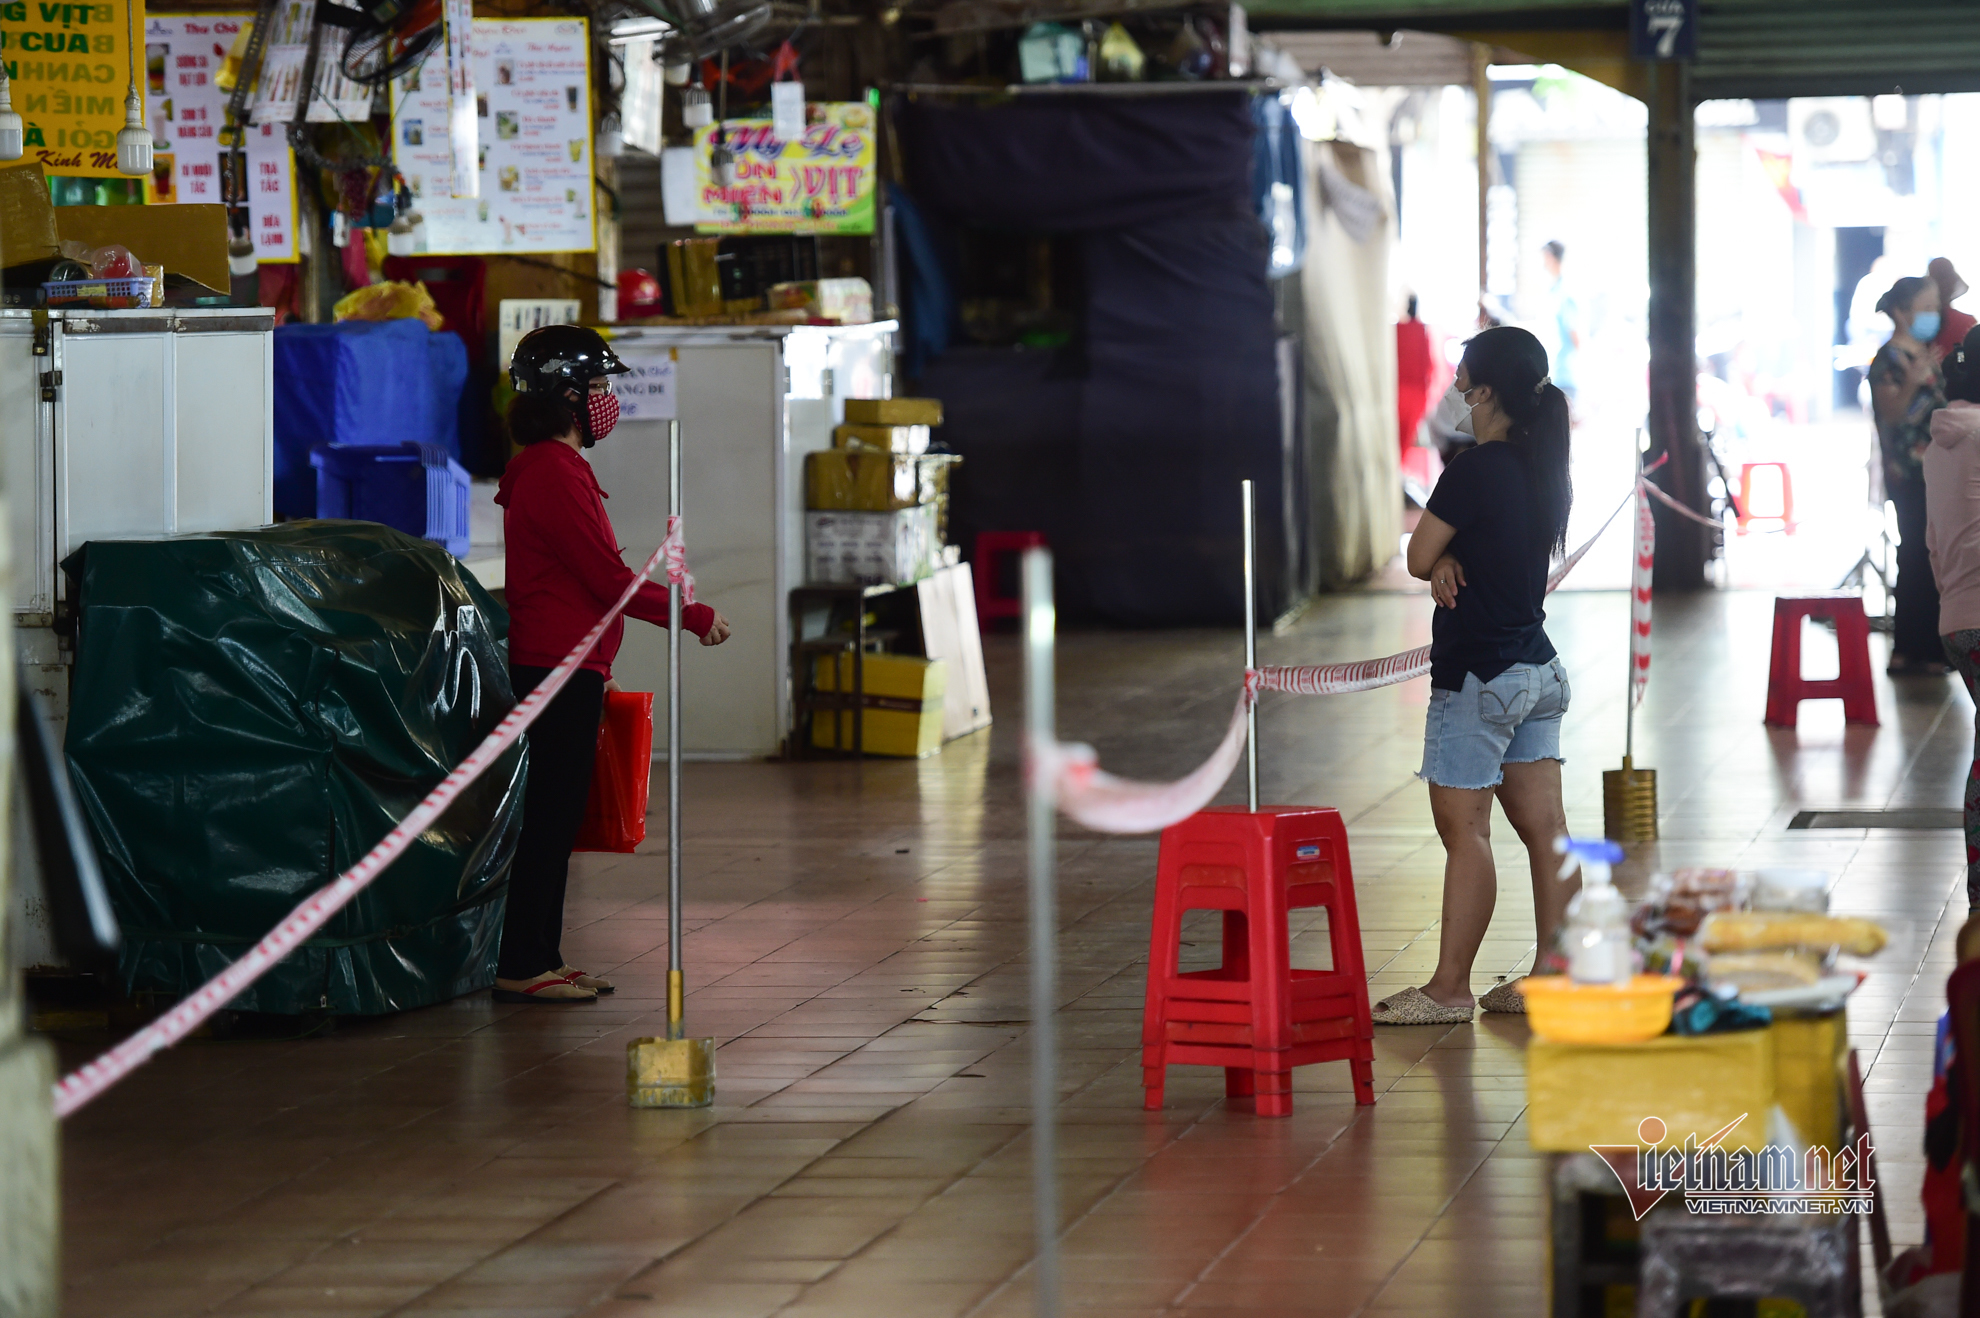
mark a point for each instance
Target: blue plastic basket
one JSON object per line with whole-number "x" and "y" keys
{"x": 410, "y": 487}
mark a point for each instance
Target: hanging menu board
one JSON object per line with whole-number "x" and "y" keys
{"x": 819, "y": 182}
{"x": 69, "y": 65}
{"x": 532, "y": 92}
{"x": 185, "y": 110}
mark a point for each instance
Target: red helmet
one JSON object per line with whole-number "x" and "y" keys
{"x": 639, "y": 294}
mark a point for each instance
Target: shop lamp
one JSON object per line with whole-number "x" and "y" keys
{"x": 11, "y": 130}
{"x": 133, "y": 139}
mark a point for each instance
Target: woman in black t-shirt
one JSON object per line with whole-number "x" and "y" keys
{"x": 1497, "y": 690}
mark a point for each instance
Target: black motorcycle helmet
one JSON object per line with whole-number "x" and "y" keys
{"x": 563, "y": 360}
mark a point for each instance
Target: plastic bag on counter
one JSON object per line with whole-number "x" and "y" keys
{"x": 252, "y": 711}
{"x": 390, "y": 301}
{"x": 615, "y": 812}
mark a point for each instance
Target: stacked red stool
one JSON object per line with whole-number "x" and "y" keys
{"x": 1787, "y": 688}
{"x": 1784, "y": 506}
{"x": 1255, "y": 1015}
{"x": 990, "y": 546}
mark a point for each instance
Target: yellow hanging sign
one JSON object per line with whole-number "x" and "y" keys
{"x": 70, "y": 65}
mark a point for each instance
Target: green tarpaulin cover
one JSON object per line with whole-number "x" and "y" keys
{"x": 252, "y": 711}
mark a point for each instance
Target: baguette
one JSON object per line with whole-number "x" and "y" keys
{"x": 1759, "y": 931}
{"x": 1753, "y": 972}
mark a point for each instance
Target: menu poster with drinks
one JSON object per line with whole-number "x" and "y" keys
{"x": 532, "y": 91}
{"x": 185, "y": 111}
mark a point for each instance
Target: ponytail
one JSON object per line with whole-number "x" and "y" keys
{"x": 1514, "y": 364}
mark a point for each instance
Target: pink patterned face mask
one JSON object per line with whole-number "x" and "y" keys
{"x": 604, "y": 414}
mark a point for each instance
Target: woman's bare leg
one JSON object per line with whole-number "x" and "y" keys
{"x": 1471, "y": 887}
{"x": 1531, "y": 798}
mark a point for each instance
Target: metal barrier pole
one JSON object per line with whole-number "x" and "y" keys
{"x": 676, "y": 979}
{"x": 1250, "y": 642}
{"x": 1041, "y": 825}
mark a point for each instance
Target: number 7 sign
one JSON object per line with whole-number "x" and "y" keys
{"x": 1663, "y": 29}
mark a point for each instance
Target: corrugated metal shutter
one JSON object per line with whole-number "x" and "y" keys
{"x": 1607, "y": 243}
{"x": 1764, "y": 48}
{"x": 1416, "y": 59}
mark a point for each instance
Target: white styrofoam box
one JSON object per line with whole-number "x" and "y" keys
{"x": 893, "y": 548}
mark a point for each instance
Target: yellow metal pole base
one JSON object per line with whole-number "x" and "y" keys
{"x": 1629, "y": 804}
{"x": 670, "y": 1072}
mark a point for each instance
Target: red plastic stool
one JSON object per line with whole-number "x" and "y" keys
{"x": 989, "y": 544}
{"x": 1255, "y": 1015}
{"x": 1787, "y": 688}
{"x": 1786, "y": 505}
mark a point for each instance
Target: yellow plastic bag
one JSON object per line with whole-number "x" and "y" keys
{"x": 390, "y": 301}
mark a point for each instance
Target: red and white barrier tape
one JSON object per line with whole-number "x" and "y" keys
{"x": 1366, "y": 675}
{"x": 674, "y": 547}
{"x": 92, "y": 1078}
{"x": 1089, "y": 795}
{"x": 1642, "y": 564}
{"x": 1682, "y": 511}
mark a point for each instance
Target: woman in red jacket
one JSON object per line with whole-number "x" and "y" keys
{"x": 564, "y": 572}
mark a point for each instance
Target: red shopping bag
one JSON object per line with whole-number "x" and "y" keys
{"x": 615, "y": 814}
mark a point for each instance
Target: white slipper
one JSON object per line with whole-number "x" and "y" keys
{"x": 1413, "y": 1006}
{"x": 1504, "y": 997}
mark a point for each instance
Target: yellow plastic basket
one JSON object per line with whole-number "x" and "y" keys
{"x": 1564, "y": 1011}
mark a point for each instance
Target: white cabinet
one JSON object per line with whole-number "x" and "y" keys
{"x": 753, "y": 400}
{"x": 130, "y": 425}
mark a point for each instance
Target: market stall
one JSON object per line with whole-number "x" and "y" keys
{"x": 1690, "y": 1075}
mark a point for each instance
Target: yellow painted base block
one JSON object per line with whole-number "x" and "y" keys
{"x": 670, "y": 1072}
{"x": 1583, "y": 1094}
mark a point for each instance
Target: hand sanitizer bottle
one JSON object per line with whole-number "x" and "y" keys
{"x": 1596, "y": 936}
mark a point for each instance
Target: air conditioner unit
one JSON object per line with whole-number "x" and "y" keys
{"x": 1830, "y": 130}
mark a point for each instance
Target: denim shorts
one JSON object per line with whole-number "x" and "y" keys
{"x": 1513, "y": 719}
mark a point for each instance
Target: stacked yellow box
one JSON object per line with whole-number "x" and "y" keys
{"x": 902, "y": 710}
{"x": 890, "y": 494}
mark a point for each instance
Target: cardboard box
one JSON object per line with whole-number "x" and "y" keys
{"x": 888, "y": 439}
{"x": 860, "y": 480}
{"x": 1583, "y": 1094}
{"x": 901, "y": 710}
{"x": 188, "y": 239}
{"x": 896, "y": 548}
{"x": 894, "y": 411}
{"x": 869, "y": 480}
{"x": 848, "y": 301}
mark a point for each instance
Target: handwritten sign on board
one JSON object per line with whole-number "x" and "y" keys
{"x": 648, "y": 393}
{"x": 820, "y": 183}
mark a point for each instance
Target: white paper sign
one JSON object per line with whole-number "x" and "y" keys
{"x": 532, "y": 90}
{"x": 186, "y": 112}
{"x": 648, "y": 392}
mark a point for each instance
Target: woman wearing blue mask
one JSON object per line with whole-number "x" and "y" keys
{"x": 1905, "y": 390}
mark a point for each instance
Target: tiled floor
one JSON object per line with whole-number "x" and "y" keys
{"x": 856, "y": 944}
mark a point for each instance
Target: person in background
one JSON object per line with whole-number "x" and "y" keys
{"x": 1952, "y": 537}
{"x": 1904, "y": 393}
{"x": 1955, "y": 323}
{"x": 1414, "y": 371}
{"x": 1497, "y": 689}
{"x": 564, "y": 572}
{"x": 1564, "y": 318}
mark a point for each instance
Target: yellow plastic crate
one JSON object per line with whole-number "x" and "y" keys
{"x": 903, "y": 705}
{"x": 1583, "y": 1094}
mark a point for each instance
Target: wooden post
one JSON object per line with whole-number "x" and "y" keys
{"x": 1682, "y": 545}
{"x": 1481, "y": 89}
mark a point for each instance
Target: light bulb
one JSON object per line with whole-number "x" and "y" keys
{"x": 133, "y": 139}
{"x": 11, "y": 147}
